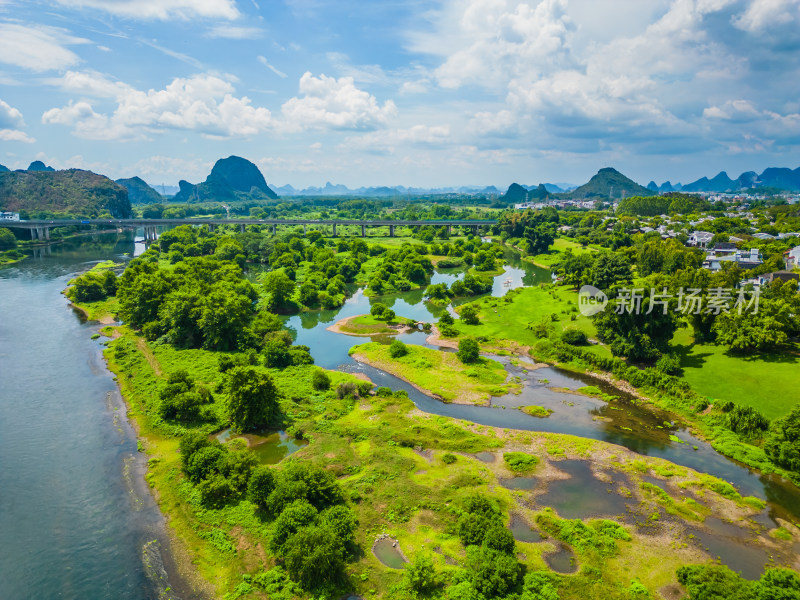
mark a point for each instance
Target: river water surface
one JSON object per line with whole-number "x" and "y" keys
{"x": 75, "y": 514}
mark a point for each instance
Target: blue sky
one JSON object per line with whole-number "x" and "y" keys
{"x": 435, "y": 93}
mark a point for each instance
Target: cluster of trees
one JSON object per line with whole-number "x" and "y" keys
{"x": 492, "y": 569}
{"x": 401, "y": 269}
{"x": 93, "y": 286}
{"x": 535, "y": 230}
{"x": 718, "y": 582}
{"x": 200, "y": 302}
{"x": 672, "y": 203}
{"x": 468, "y": 286}
{"x": 312, "y": 529}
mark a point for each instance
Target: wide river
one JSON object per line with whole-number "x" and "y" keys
{"x": 76, "y": 518}
{"x": 75, "y": 514}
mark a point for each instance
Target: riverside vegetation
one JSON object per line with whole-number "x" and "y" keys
{"x": 203, "y": 348}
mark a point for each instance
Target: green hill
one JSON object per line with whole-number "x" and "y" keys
{"x": 609, "y": 183}
{"x": 70, "y": 193}
{"x": 233, "y": 178}
{"x": 139, "y": 192}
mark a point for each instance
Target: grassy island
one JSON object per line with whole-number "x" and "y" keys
{"x": 440, "y": 373}
{"x": 370, "y": 325}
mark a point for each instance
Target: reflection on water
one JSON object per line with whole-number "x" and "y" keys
{"x": 583, "y": 495}
{"x": 270, "y": 447}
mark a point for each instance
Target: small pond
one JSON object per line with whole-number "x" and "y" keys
{"x": 387, "y": 550}
{"x": 270, "y": 447}
{"x": 562, "y": 560}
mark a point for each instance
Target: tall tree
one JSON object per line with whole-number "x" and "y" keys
{"x": 252, "y": 399}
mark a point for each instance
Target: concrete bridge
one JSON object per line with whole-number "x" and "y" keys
{"x": 40, "y": 229}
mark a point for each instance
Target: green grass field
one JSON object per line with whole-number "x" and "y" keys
{"x": 768, "y": 382}
{"x": 560, "y": 245}
{"x": 501, "y": 320}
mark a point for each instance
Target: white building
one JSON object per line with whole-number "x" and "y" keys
{"x": 9, "y": 216}
{"x": 792, "y": 258}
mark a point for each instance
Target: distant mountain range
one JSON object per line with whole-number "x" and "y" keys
{"x": 773, "y": 177}
{"x": 330, "y": 189}
{"x": 235, "y": 178}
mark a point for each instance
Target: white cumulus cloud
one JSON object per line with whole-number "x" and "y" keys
{"x": 203, "y": 103}
{"x": 333, "y": 103}
{"x": 11, "y": 124}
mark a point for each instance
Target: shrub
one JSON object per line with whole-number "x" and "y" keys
{"x": 519, "y": 462}
{"x": 574, "y": 337}
{"x": 669, "y": 364}
{"x": 468, "y": 351}
{"x": 746, "y": 421}
{"x": 449, "y": 459}
{"x": 397, "y": 349}
{"x": 345, "y": 389}
{"x": 320, "y": 380}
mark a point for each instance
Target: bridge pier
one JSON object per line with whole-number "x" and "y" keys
{"x": 274, "y": 229}
{"x": 241, "y": 228}
{"x": 363, "y": 231}
{"x": 334, "y": 230}
{"x": 391, "y": 230}
{"x": 305, "y": 229}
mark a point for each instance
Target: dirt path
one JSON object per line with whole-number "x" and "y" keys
{"x": 148, "y": 354}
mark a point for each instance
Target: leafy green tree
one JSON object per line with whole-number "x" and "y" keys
{"x": 260, "y": 486}
{"x": 763, "y": 331}
{"x": 7, "y": 239}
{"x": 469, "y": 314}
{"x": 276, "y": 354}
{"x": 295, "y": 516}
{"x": 493, "y": 573}
{"x": 468, "y": 351}
{"x": 420, "y": 575}
{"x": 314, "y": 556}
{"x": 205, "y": 462}
{"x": 252, "y": 399}
{"x": 574, "y": 268}
{"x": 280, "y": 288}
{"x": 223, "y": 317}
{"x": 636, "y": 334}
{"x": 608, "y": 269}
